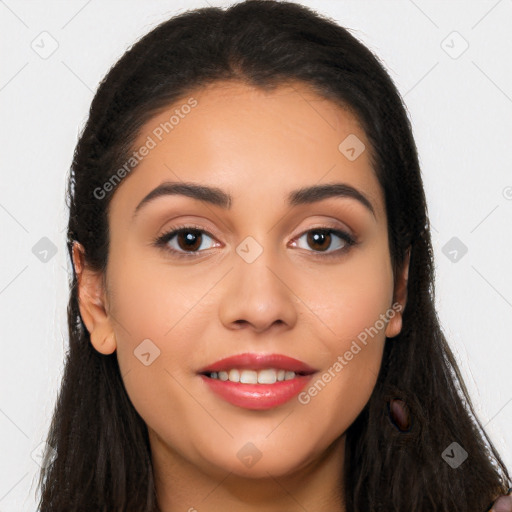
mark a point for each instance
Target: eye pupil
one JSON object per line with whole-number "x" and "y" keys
{"x": 317, "y": 236}
{"x": 191, "y": 236}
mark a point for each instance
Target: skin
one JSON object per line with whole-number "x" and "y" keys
{"x": 258, "y": 147}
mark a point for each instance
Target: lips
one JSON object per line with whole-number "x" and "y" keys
{"x": 252, "y": 361}
{"x": 257, "y": 396}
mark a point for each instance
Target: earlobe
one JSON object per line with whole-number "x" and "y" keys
{"x": 92, "y": 303}
{"x": 394, "y": 326}
{"x": 104, "y": 344}
{"x": 400, "y": 296}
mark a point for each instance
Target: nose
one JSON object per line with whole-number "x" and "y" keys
{"x": 258, "y": 296}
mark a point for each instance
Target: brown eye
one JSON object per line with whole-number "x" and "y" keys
{"x": 321, "y": 239}
{"x": 184, "y": 241}
{"x": 189, "y": 239}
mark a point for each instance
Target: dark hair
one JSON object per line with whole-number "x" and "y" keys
{"x": 102, "y": 450}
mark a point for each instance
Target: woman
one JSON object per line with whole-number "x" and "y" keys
{"x": 251, "y": 319}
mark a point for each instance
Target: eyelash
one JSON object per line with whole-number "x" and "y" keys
{"x": 162, "y": 241}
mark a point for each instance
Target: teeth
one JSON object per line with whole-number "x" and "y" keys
{"x": 234, "y": 375}
{"x": 246, "y": 376}
{"x": 267, "y": 376}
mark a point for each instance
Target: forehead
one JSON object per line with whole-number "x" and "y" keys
{"x": 257, "y": 144}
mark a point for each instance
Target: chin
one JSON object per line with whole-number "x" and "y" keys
{"x": 249, "y": 463}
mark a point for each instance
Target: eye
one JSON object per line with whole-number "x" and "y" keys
{"x": 186, "y": 241}
{"x": 321, "y": 239}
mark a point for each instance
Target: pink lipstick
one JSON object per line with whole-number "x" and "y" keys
{"x": 257, "y": 381}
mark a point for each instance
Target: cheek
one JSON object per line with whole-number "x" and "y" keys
{"x": 352, "y": 305}
{"x": 149, "y": 301}
{"x": 157, "y": 328}
{"x": 350, "y": 296}
{"x": 140, "y": 308}
{"x": 154, "y": 339}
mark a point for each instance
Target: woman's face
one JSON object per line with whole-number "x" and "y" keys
{"x": 259, "y": 277}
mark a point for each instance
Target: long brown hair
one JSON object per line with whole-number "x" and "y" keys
{"x": 102, "y": 460}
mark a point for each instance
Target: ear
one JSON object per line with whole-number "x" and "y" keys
{"x": 92, "y": 303}
{"x": 399, "y": 295}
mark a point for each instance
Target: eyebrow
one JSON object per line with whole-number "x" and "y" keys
{"x": 222, "y": 199}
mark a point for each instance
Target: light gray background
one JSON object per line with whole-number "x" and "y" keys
{"x": 461, "y": 109}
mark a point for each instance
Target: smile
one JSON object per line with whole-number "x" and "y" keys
{"x": 257, "y": 396}
{"x": 266, "y": 376}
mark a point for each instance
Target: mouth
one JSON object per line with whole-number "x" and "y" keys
{"x": 257, "y": 381}
{"x": 265, "y": 376}
{"x": 257, "y": 362}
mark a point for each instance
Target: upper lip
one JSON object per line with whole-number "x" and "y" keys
{"x": 252, "y": 361}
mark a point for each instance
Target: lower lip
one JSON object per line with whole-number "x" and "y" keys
{"x": 257, "y": 396}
